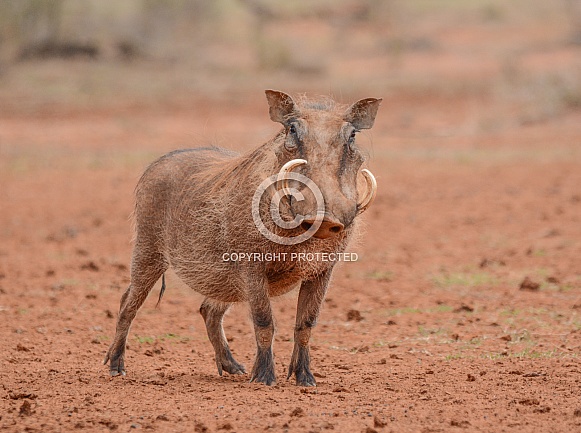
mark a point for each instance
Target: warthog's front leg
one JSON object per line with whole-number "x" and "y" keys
{"x": 311, "y": 297}
{"x": 263, "y": 369}
{"x": 213, "y": 312}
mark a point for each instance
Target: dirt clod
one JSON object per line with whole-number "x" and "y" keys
{"x": 529, "y": 402}
{"x": 529, "y": 284}
{"x": 379, "y": 422}
{"x": 487, "y": 263}
{"x": 354, "y": 316}
{"x": 297, "y": 412}
{"x": 90, "y": 266}
{"x": 542, "y": 409}
{"x": 21, "y": 395}
{"x": 464, "y": 309}
{"x": 25, "y": 408}
{"x": 462, "y": 424}
{"x": 340, "y": 389}
{"x": 199, "y": 427}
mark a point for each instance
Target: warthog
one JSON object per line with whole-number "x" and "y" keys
{"x": 194, "y": 206}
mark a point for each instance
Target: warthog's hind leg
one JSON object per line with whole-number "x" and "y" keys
{"x": 311, "y": 296}
{"x": 213, "y": 313}
{"x": 146, "y": 269}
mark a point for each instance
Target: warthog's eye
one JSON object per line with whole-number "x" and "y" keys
{"x": 292, "y": 140}
{"x": 351, "y": 140}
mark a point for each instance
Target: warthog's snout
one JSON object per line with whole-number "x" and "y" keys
{"x": 330, "y": 226}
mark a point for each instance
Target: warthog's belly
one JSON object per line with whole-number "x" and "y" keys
{"x": 216, "y": 280}
{"x": 228, "y": 281}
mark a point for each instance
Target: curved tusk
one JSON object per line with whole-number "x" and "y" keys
{"x": 371, "y": 191}
{"x": 288, "y": 167}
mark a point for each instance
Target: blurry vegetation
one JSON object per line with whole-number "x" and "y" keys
{"x": 161, "y": 28}
{"x": 155, "y": 49}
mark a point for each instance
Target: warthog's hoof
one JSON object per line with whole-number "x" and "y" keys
{"x": 266, "y": 377}
{"x": 116, "y": 363}
{"x": 305, "y": 378}
{"x": 114, "y": 373}
{"x": 299, "y": 366}
{"x": 230, "y": 366}
{"x": 263, "y": 370}
{"x": 303, "y": 375}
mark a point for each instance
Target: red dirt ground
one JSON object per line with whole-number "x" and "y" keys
{"x": 463, "y": 312}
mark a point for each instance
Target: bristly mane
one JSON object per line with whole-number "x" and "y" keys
{"x": 320, "y": 103}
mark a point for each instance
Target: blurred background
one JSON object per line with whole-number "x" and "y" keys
{"x": 522, "y": 54}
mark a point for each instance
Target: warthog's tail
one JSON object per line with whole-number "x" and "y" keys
{"x": 162, "y": 290}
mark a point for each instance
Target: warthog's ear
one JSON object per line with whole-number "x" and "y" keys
{"x": 362, "y": 113}
{"x": 282, "y": 106}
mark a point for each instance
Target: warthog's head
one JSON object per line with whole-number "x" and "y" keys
{"x": 319, "y": 141}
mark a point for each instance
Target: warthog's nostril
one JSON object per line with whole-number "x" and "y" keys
{"x": 336, "y": 229}
{"x": 327, "y": 228}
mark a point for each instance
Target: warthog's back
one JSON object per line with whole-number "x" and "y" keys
{"x": 165, "y": 179}
{"x": 178, "y": 214}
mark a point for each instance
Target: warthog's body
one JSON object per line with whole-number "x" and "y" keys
{"x": 193, "y": 208}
